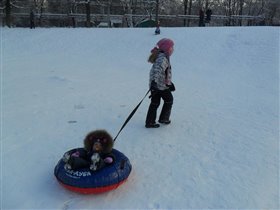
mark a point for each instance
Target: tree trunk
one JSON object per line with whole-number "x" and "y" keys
{"x": 206, "y": 4}
{"x": 241, "y": 4}
{"x": 185, "y": 10}
{"x": 157, "y": 6}
{"x": 8, "y": 13}
{"x": 88, "y": 23}
{"x": 229, "y": 12}
{"x": 130, "y": 15}
{"x": 190, "y": 11}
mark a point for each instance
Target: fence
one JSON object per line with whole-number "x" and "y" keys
{"x": 80, "y": 20}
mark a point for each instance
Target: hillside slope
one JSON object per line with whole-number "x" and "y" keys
{"x": 221, "y": 150}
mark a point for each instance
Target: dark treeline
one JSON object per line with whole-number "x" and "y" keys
{"x": 131, "y": 13}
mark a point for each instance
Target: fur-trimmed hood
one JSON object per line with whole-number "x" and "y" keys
{"x": 102, "y": 135}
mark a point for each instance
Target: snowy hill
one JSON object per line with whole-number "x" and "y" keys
{"x": 221, "y": 150}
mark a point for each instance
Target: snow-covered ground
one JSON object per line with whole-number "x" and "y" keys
{"x": 221, "y": 150}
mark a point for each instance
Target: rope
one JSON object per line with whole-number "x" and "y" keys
{"x": 131, "y": 115}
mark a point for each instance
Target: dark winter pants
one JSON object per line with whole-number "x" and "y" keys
{"x": 32, "y": 24}
{"x": 78, "y": 163}
{"x": 167, "y": 97}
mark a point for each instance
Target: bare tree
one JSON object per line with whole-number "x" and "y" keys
{"x": 39, "y": 6}
{"x": 272, "y": 12}
{"x": 138, "y": 10}
{"x": 87, "y": 8}
{"x": 241, "y": 5}
{"x": 190, "y": 11}
{"x": 185, "y": 10}
{"x": 157, "y": 8}
{"x": 8, "y": 13}
{"x": 127, "y": 4}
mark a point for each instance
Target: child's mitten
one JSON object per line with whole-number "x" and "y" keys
{"x": 108, "y": 160}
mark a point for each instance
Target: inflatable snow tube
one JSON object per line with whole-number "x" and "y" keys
{"x": 86, "y": 181}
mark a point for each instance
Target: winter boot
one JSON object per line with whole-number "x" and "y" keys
{"x": 165, "y": 121}
{"x": 165, "y": 113}
{"x": 154, "y": 125}
{"x": 151, "y": 116}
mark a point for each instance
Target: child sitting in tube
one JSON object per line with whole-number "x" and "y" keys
{"x": 96, "y": 154}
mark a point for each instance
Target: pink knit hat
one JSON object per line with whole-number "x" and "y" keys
{"x": 165, "y": 45}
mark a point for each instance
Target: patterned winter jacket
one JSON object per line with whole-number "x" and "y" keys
{"x": 161, "y": 72}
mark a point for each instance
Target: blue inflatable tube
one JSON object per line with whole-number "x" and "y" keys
{"x": 86, "y": 181}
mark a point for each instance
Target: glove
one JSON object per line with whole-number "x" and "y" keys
{"x": 108, "y": 160}
{"x": 76, "y": 154}
{"x": 171, "y": 87}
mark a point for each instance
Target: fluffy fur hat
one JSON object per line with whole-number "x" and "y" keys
{"x": 104, "y": 137}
